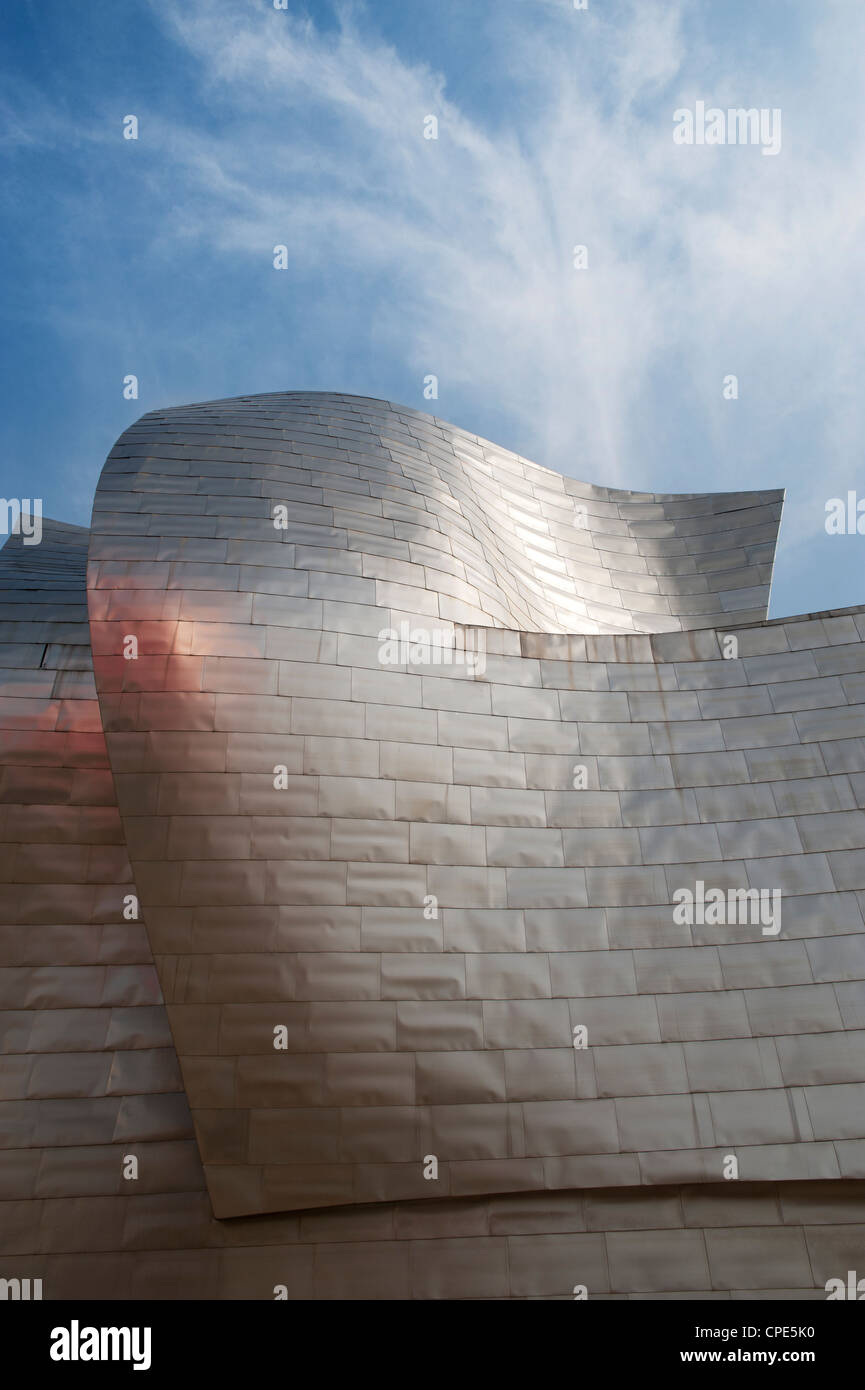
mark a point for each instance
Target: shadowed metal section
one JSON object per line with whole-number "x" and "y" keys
{"x": 292, "y": 803}
{"x": 89, "y": 1071}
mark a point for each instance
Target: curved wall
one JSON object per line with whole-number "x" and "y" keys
{"x": 303, "y": 906}
{"x": 406, "y": 502}
{"x": 305, "y": 903}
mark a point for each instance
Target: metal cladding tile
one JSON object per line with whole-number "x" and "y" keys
{"x": 836, "y": 1111}
{"x": 593, "y": 1171}
{"x": 625, "y": 887}
{"x": 457, "y": 844}
{"x": 650, "y": 1261}
{"x": 582, "y": 974}
{"x": 460, "y": 1268}
{"x": 785, "y": 963}
{"x": 423, "y": 975}
{"x": 584, "y": 809}
{"x": 848, "y": 868}
{"x": 508, "y": 976}
{"x": 794, "y": 1009}
{"x": 755, "y": 839}
{"x": 844, "y": 830}
{"x": 403, "y": 1182}
{"x": 832, "y": 1250}
{"x": 685, "y": 736}
{"x": 19, "y": 1172}
{"x": 703, "y": 1016}
{"x": 656, "y": 1122}
{"x": 851, "y": 1158}
{"x": 748, "y": 1117}
{"x": 820, "y": 1058}
{"x": 648, "y": 1069}
{"x": 546, "y": 1074}
{"x": 432, "y": 802}
{"x": 460, "y": 1077}
{"x": 634, "y": 1210}
{"x": 467, "y": 1132}
{"x": 609, "y": 1020}
{"x": 545, "y": 1265}
{"x": 477, "y": 930}
{"x": 664, "y": 705}
{"x": 838, "y": 958}
{"x": 683, "y": 844}
{"x": 672, "y": 970}
{"x": 519, "y": 847}
{"x": 778, "y": 1258}
{"x": 752, "y": 1204}
{"x": 844, "y": 755}
{"x": 851, "y": 1002}
{"x": 390, "y": 929}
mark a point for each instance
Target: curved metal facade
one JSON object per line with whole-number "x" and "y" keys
{"x": 396, "y": 833}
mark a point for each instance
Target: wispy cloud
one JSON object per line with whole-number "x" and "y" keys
{"x": 455, "y": 256}
{"x": 702, "y": 261}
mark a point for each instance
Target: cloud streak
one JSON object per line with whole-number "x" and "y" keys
{"x": 455, "y": 256}
{"x": 702, "y": 256}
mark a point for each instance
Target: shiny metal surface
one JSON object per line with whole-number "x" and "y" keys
{"x": 302, "y": 906}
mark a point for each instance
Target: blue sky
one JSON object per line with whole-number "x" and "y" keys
{"x": 453, "y": 257}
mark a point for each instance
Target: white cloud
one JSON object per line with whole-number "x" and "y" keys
{"x": 702, "y": 261}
